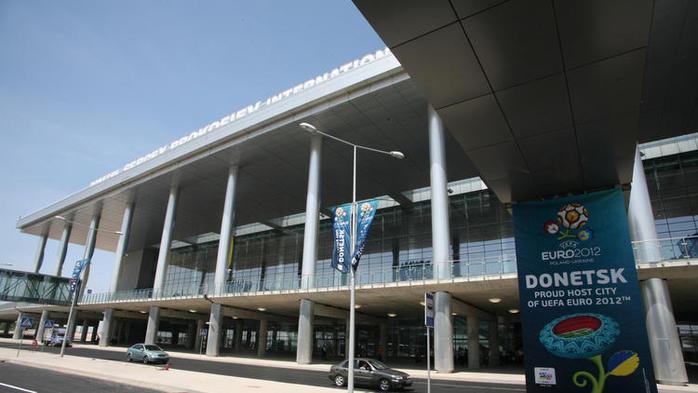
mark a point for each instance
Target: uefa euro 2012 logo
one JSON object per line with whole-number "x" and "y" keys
{"x": 366, "y": 208}
{"x": 570, "y": 223}
{"x": 340, "y": 212}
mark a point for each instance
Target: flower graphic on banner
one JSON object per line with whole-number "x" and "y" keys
{"x": 588, "y": 335}
{"x": 572, "y": 217}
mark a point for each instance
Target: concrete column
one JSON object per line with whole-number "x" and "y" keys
{"x": 641, "y": 217}
{"x": 493, "y": 332}
{"x": 306, "y": 319}
{"x": 215, "y": 325}
{"x": 383, "y": 341}
{"x": 90, "y": 243}
{"x": 127, "y": 332}
{"x": 262, "y": 338}
{"x": 121, "y": 247}
{"x": 238, "y": 335}
{"x": 62, "y": 249}
{"x": 83, "y": 332}
{"x": 312, "y": 213}
{"x": 18, "y": 329}
{"x": 39, "y": 255}
{"x": 347, "y": 327}
{"x": 439, "y": 198}
{"x": 107, "y": 324}
{"x": 161, "y": 268}
{"x": 663, "y": 336}
{"x": 71, "y": 331}
{"x": 165, "y": 242}
{"x": 443, "y": 333}
{"x": 227, "y": 231}
{"x": 200, "y": 324}
{"x": 473, "y": 341}
{"x": 93, "y": 337}
{"x": 151, "y": 332}
{"x": 39, "y": 336}
{"x": 6, "y": 329}
{"x": 191, "y": 333}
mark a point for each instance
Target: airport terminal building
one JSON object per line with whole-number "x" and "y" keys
{"x": 223, "y": 238}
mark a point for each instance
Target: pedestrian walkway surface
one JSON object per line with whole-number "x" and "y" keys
{"x": 174, "y": 380}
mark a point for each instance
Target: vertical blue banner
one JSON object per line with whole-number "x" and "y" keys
{"x": 79, "y": 265}
{"x": 341, "y": 226}
{"x": 367, "y": 211}
{"x": 582, "y": 319}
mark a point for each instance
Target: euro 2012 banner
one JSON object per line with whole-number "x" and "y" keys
{"x": 582, "y": 319}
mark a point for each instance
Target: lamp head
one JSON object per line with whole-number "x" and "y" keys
{"x": 397, "y": 154}
{"x": 308, "y": 127}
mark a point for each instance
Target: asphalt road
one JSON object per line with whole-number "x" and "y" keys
{"x": 16, "y": 378}
{"x": 296, "y": 376}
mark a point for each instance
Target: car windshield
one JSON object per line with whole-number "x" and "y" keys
{"x": 153, "y": 348}
{"x": 378, "y": 365}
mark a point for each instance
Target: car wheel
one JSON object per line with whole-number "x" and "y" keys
{"x": 128, "y": 357}
{"x": 339, "y": 380}
{"x": 146, "y": 360}
{"x": 384, "y": 385}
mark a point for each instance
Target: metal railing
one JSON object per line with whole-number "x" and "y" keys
{"x": 667, "y": 249}
{"x": 414, "y": 274}
{"x": 649, "y": 251}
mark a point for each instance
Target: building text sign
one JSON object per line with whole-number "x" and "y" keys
{"x": 581, "y": 309}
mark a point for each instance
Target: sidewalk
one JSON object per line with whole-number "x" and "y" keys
{"x": 175, "y": 380}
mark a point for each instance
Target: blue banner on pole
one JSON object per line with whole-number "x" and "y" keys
{"x": 364, "y": 219}
{"x": 582, "y": 320}
{"x": 79, "y": 265}
{"x": 341, "y": 225}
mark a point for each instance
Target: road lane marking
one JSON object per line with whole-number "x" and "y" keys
{"x": 16, "y": 388}
{"x": 474, "y": 386}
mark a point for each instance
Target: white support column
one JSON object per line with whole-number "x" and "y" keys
{"x": 18, "y": 329}
{"x": 90, "y": 243}
{"x": 493, "y": 328}
{"x": 107, "y": 327}
{"x": 439, "y": 197}
{"x": 62, "y": 249}
{"x": 667, "y": 355}
{"x": 39, "y": 336}
{"x": 312, "y": 213}
{"x": 151, "y": 332}
{"x": 306, "y": 317}
{"x": 227, "y": 230}
{"x": 121, "y": 247}
{"x": 443, "y": 333}
{"x": 200, "y": 324}
{"x": 39, "y": 255}
{"x": 262, "y": 338}
{"x": 473, "y": 341}
{"x": 213, "y": 340}
{"x": 161, "y": 267}
{"x": 83, "y": 331}
{"x": 165, "y": 241}
{"x": 641, "y": 217}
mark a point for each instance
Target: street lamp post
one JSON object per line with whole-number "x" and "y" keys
{"x": 352, "y": 297}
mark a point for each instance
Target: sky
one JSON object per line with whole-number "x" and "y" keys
{"x": 88, "y": 86}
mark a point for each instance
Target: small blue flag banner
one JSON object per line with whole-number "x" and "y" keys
{"x": 367, "y": 211}
{"x": 341, "y": 226}
{"x": 79, "y": 265}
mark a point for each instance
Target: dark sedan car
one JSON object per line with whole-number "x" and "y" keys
{"x": 370, "y": 372}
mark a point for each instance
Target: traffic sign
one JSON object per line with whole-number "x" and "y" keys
{"x": 203, "y": 332}
{"x": 428, "y": 309}
{"x": 48, "y": 324}
{"x": 26, "y": 322}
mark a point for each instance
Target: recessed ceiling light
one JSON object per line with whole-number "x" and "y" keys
{"x": 421, "y": 304}
{"x": 192, "y": 310}
{"x": 357, "y": 306}
{"x": 495, "y": 300}
{"x": 261, "y": 309}
{"x": 143, "y": 312}
{"x": 514, "y": 311}
{"x": 234, "y": 317}
{"x": 454, "y": 313}
{"x": 392, "y": 315}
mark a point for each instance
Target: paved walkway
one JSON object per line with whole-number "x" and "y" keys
{"x": 175, "y": 380}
